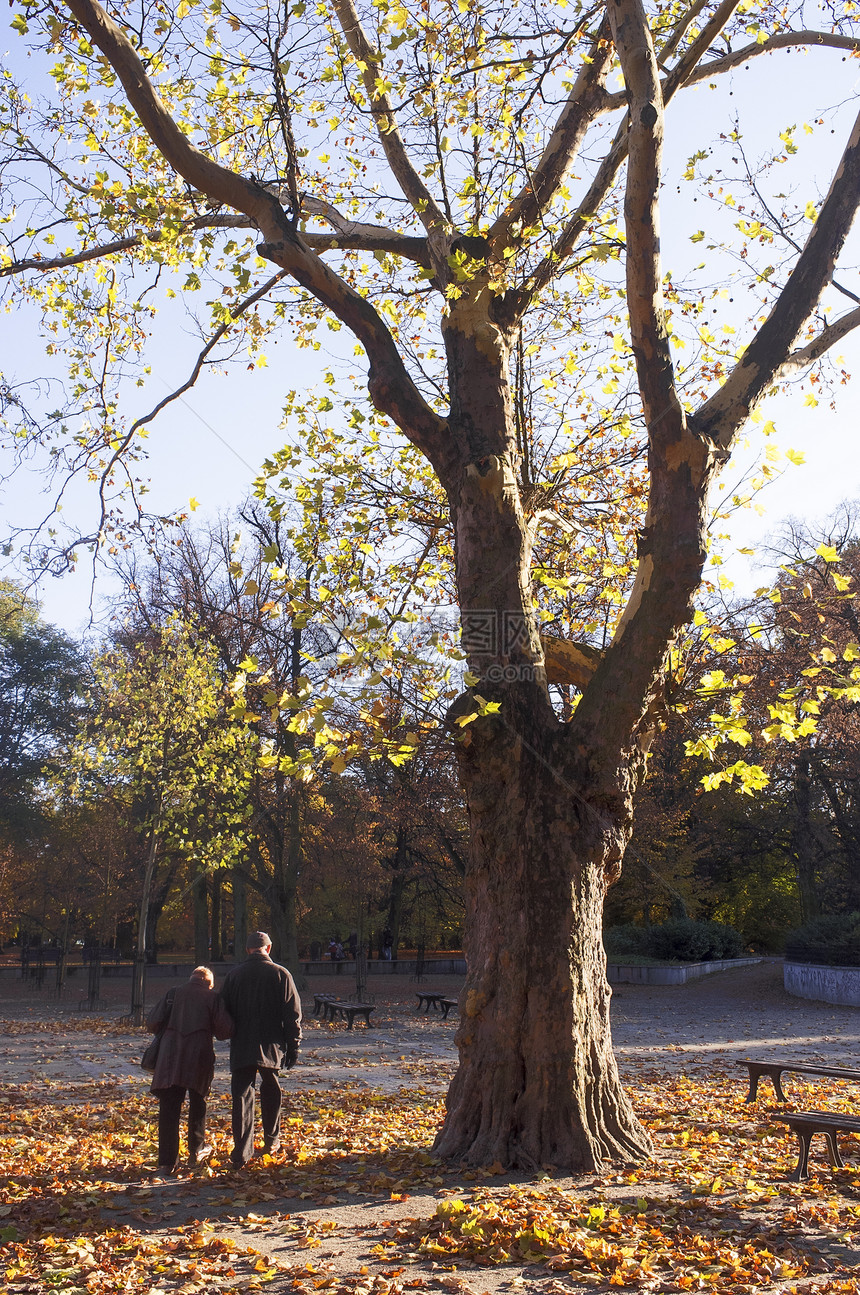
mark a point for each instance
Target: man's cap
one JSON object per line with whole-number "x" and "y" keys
{"x": 258, "y": 940}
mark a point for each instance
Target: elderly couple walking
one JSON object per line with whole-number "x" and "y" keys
{"x": 259, "y": 1011}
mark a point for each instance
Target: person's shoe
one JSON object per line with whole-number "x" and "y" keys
{"x": 200, "y": 1156}
{"x": 165, "y": 1171}
{"x": 272, "y": 1147}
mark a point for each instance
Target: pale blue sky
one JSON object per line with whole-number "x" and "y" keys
{"x": 211, "y": 444}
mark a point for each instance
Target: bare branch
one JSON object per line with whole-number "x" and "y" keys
{"x": 737, "y": 58}
{"x": 585, "y": 102}
{"x": 568, "y": 663}
{"x": 359, "y": 236}
{"x": 414, "y": 189}
{"x": 99, "y": 250}
{"x": 771, "y": 349}
{"x": 351, "y": 236}
{"x": 391, "y": 388}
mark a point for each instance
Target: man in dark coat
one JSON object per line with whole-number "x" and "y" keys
{"x": 186, "y": 1063}
{"x": 262, "y": 999}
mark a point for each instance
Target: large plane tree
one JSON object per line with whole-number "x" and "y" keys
{"x": 473, "y": 191}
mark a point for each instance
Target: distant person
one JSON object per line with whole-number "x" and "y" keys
{"x": 262, "y": 999}
{"x": 316, "y": 950}
{"x": 387, "y": 944}
{"x": 186, "y": 1064}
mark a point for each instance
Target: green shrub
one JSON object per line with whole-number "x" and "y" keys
{"x": 682, "y": 940}
{"x": 626, "y": 941}
{"x": 833, "y": 940}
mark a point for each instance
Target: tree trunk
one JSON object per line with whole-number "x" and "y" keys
{"x": 200, "y": 901}
{"x": 240, "y": 914}
{"x": 217, "y": 953}
{"x": 537, "y": 1083}
{"x": 803, "y": 843}
{"x": 396, "y": 893}
{"x": 550, "y": 806}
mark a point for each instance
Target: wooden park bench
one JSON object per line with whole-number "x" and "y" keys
{"x": 806, "y": 1124}
{"x": 446, "y": 1004}
{"x": 428, "y": 1000}
{"x": 332, "y": 1009}
{"x": 320, "y": 1000}
{"x": 774, "y": 1069}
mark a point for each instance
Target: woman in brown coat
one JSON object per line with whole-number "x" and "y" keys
{"x": 186, "y": 1063}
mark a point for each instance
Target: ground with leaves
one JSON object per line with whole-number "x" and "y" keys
{"x": 357, "y": 1205}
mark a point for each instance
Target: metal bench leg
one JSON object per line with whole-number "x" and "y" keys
{"x": 755, "y": 1075}
{"x": 802, "y": 1170}
{"x": 836, "y": 1160}
{"x": 777, "y": 1087}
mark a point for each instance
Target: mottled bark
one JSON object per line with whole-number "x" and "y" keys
{"x": 537, "y": 1083}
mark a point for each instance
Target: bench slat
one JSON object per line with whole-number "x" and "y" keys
{"x": 774, "y": 1069}
{"x": 805, "y": 1124}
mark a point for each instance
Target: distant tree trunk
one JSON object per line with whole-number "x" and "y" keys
{"x": 803, "y": 841}
{"x": 217, "y": 952}
{"x": 240, "y": 914}
{"x": 200, "y": 902}
{"x": 396, "y": 893}
{"x": 167, "y": 874}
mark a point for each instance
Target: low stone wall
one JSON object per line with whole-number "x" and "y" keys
{"x": 838, "y": 985}
{"x": 671, "y": 973}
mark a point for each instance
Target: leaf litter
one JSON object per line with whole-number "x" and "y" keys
{"x": 712, "y": 1212}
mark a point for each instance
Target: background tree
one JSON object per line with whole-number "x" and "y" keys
{"x": 773, "y": 681}
{"x": 160, "y": 741}
{"x": 40, "y": 703}
{"x": 443, "y": 225}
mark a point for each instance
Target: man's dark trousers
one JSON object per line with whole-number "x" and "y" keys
{"x": 242, "y": 1091}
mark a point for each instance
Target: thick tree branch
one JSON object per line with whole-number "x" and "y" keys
{"x": 391, "y": 388}
{"x": 414, "y": 189}
{"x": 615, "y": 155}
{"x": 671, "y": 545}
{"x": 784, "y": 40}
{"x": 695, "y": 52}
{"x": 99, "y": 250}
{"x": 567, "y": 663}
{"x": 829, "y": 336}
{"x": 351, "y": 236}
{"x": 357, "y": 235}
{"x": 667, "y": 48}
{"x": 649, "y": 338}
{"x": 737, "y": 58}
{"x": 585, "y": 102}
{"x": 771, "y": 348}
